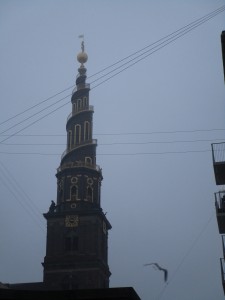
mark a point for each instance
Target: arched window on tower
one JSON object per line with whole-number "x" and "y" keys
{"x": 79, "y": 104}
{"x": 85, "y": 102}
{"x": 88, "y": 161}
{"x": 86, "y": 131}
{"x": 74, "y": 108}
{"x": 69, "y": 139}
{"x": 89, "y": 194}
{"x": 73, "y": 193}
{"x": 77, "y": 134}
{"x": 71, "y": 242}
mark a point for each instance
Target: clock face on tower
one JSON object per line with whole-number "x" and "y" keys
{"x": 71, "y": 221}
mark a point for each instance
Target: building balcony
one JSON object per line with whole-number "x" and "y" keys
{"x": 218, "y": 154}
{"x": 78, "y": 164}
{"x": 220, "y": 210}
{"x": 90, "y": 108}
{"x": 222, "y": 265}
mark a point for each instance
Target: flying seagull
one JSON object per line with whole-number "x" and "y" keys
{"x": 160, "y": 269}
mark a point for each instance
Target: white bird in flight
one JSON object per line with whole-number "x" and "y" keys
{"x": 160, "y": 269}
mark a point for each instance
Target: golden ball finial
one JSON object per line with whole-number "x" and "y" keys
{"x": 82, "y": 57}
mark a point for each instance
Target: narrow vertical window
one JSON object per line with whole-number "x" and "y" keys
{"x": 77, "y": 134}
{"x": 74, "y": 108}
{"x": 85, "y": 102}
{"x": 86, "y": 130}
{"x": 69, "y": 139}
{"x": 88, "y": 161}
{"x": 79, "y": 104}
{"x": 89, "y": 194}
{"x": 73, "y": 193}
{"x": 71, "y": 243}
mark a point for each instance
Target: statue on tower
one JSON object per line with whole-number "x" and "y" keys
{"x": 82, "y": 46}
{"x": 52, "y": 207}
{"x": 82, "y": 56}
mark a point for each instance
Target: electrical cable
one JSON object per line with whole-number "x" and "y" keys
{"x": 20, "y": 190}
{"x": 186, "y": 255}
{"x": 180, "y": 33}
{"x": 15, "y": 133}
{"x": 183, "y": 30}
{"x": 220, "y": 9}
{"x": 124, "y": 133}
{"x": 35, "y": 114}
{"x": 39, "y": 103}
{"x": 110, "y": 154}
{"x": 117, "y": 143}
{"x": 153, "y": 50}
{"x": 13, "y": 187}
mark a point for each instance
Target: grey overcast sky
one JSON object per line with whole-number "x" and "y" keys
{"x": 154, "y": 123}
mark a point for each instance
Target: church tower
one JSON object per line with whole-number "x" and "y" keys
{"x": 77, "y": 229}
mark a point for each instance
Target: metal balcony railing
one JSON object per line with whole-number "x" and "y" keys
{"x": 82, "y": 143}
{"x": 218, "y": 155}
{"x": 90, "y": 108}
{"x": 78, "y": 164}
{"x": 218, "y": 152}
{"x": 220, "y": 200}
{"x": 220, "y": 210}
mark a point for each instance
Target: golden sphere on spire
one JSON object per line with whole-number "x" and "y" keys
{"x": 82, "y": 57}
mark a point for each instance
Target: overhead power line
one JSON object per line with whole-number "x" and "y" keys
{"x": 188, "y": 252}
{"x": 204, "y": 18}
{"x": 110, "y": 154}
{"x": 15, "y": 133}
{"x": 39, "y": 103}
{"x": 118, "y": 143}
{"x": 16, "y": 190}
{"x": 125, "y": 133}
{"x": 157, "y": 46}
{"x": 24, "y": 120}
{"x": 166, "y": 41}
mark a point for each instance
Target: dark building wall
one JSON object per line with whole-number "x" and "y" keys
{"x": 91, "y": 294}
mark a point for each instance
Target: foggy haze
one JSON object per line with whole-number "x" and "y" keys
{"x": 154, "y": 123}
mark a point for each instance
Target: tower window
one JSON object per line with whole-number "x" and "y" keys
{"x": 71, "y": 243}
{"x": 86, "y": 130}
{"x": 69, "y": 139}
{"x": 85, "y": 103}
{"x": 88, "y": 161}
{"x": 77, "y": 134}
{"x": 73, "y": 193}
{"x": 79, "y": 104}
{"x": 74, "y": 108}
{"x": 89, "y": 194}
